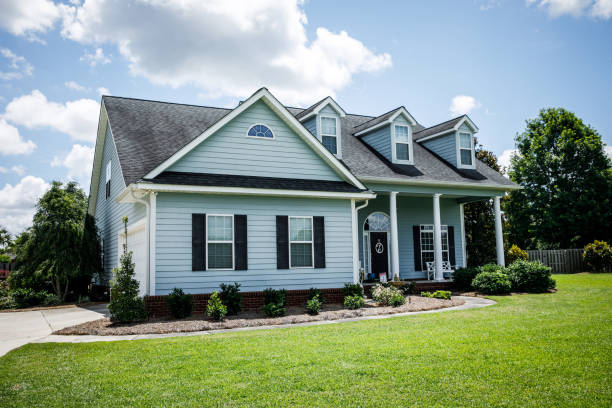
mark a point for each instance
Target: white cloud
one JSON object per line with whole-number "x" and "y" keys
{"x": 29, "y": 18}
{"x": 11, "y": 141}
{"x": 75, "y": 86}
{"x": 229, "y": 48}
{"x": 19, "y": 169}
{"x": 463, "y": 104}
{"x": 608, "y": 150}
{"x": 18, "y": 64}
{"x": 3, "y": 169}
{"x": 78, "y": 118}
{"x": 95, "y": 58}
{"x": 17, "y": 204}
{"x": 79, "y": 164}
{"x": 576, "y": 8}
{"x": 103, "y": 91}
{"x": 504, "y": 159}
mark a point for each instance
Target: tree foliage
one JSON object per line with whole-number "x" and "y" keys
{"x": 6, "y": 240}
{"x": 566, "y": 198}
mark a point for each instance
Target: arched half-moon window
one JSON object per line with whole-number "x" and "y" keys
{"x": 260, "y": 130}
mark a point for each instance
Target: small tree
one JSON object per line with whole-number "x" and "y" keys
{"x": 6, "y": 240}
{"x": 125, "y": 305}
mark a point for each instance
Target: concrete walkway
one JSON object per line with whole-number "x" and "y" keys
{"x": 19, "y": 328}
{"x": 470, "y": 303}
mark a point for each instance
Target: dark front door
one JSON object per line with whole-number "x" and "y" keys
{"x": 378, "y": 249}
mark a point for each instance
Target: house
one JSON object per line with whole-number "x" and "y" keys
{"x": 274, "y": 196}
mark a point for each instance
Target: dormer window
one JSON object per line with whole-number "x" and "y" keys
{"x": 329, "y": 133}
{"x": 466, "y": 149}
{"x": 260, "y": 131}
{"x": 402, "y": 140}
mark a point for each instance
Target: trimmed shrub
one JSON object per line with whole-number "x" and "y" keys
{"x": 438, "y": 294}
{"x": 274, "y": 310}
{"x": 215, "y": 309}
{"x": 409, "y": 288}
{"x": 231, "y": 298}
{"x": 397, "y": 299}
{"x": 514, "y": 254}
{"x": 7, "y": 302}
{"x": 316, "y": 292}
{"x": 179, "y": 304}
{"x": 51, "y": 299}
{"x": 384, "y": 294}
{"x": 463, "y": 278}
{"x": 598, "y": 256}
{"x": 26, "y": 297}
{"x": 352, "y": 289}
{"x": 353, "y": 302}
{"x": 492, "y": 268}
{"x": 492, "y": 282}
{"x": 530, "y": 276}
{"x": 313, "y": 306}
{"x": 275, "y": 296}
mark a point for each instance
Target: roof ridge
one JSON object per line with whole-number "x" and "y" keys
{"x": 166, "y": 102}
{"x": 376, "y": 117}
{"x": 441, "y": 123}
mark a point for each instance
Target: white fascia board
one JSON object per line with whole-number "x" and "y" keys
{"x": 97, "y": 164}
{"x": 327, "y": 101}
{"x": 455, "y": 128}
{"x": 125, "y": 197}
{"x": 284, "y": 114}
{"x": 387, "y": 122}
{"x": 426, "y": 183}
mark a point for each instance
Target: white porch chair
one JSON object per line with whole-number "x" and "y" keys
{"x": 447, "y": 269}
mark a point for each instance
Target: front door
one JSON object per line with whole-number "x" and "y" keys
{"x": 379, "y": 254}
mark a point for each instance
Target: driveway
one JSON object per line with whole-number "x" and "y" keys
{"x": 19, "y": 328}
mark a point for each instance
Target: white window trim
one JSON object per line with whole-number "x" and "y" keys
{"x": 458, "y": 143}
{"x": 220, "y": 242}
{"x": 442, "y": 228}
{"x": 393, "y": 143}
{"x": 338, "y": 137}
{"x": 311, "y": 242}
{"x": 260, "y": 138}
{"x": 109, "y": 170}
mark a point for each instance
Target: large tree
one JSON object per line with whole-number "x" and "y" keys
{"x": 61, "y": 248}
{"x": 479, "y": 219}
{"x": 566, "y": 200}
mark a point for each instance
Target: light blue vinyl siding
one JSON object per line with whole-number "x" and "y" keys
{"x": 173, "y": 266}
{"x": 380, "y": 140}
{"x": 311, "y": 125}
{"x": 413, "y": 211}
{"x": 444, "y": 146}
{"x": 108, "y": 213}
{"x": 229, "y": 151}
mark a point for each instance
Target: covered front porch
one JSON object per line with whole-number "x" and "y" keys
{"x": 400, "y": 233}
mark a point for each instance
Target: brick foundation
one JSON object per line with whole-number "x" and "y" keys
{"x": 156, "y": 305}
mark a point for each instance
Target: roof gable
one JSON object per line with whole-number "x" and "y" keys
{"x": 317, "y": 107}
{"x": 443, "y": 128}
{"x": 383, "y": 120}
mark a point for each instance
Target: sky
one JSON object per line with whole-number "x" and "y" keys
{"x": 500, "y": 61}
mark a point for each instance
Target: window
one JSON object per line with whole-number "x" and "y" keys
{"x": 465, "y": 149}
{"x": 402, "y": 143}
{"x": 261, "y": 131}
{"x": 427, "y": 244}
{"x": 220, "y": 241}
{"x": 329, "y": 133}
{"x": 300, "y": 242}
{"x": 108, "y": 178}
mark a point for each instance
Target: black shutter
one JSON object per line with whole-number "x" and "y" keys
{"x": 451, "y": 245}
{"x": 416, "y": 238}
{"x": 198, "y": 242}
{"x": 318, "y": 225}
{"x": 240, "y": 242}
{"x": 282, "y": 242}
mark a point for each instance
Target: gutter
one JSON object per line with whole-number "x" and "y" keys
{"x": 499, "y": 187}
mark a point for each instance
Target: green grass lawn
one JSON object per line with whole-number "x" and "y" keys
{"x": 528, "y": 350}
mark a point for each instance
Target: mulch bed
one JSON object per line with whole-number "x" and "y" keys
{"x": 104, "y": 327}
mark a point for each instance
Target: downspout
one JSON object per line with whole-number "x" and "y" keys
{"x": 148, "y": 234}
{"x": 354, "y": 221}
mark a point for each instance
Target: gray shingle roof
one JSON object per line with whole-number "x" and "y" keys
{"x": 147, "y": 133}
{"x": 309, "y": 109}
{"x": 375, "y": 121}
{"x": 440, "y": 127}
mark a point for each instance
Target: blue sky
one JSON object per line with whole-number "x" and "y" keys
{"x": 500, "y": 61}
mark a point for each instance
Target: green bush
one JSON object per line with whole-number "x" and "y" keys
{"x": 274, "y": 310}
{"x": 51, "y": 299}
{"x": 353, "y": 302}
{"x": 492, "y": 268}
{"x": 463, "y": 278}
{"x": 26, "y": 297}
{"x": 598, "y": 256}
{"x": 383, "y": 294}
{"x": 231, "y": 298}
{"x": 125, "y": 305}
{"x": 179, "y": 304}
{"x": 409, "y": 288}
{"x": 427, "y": 294}
{"x": 215, "y": 309}
{"x": 278, "y": 297}
{"x": 492, "y": 282}
{"x": 313, "y": 306}
{"x": 7, "y": 302}
{"x": 316, "y": 292}
{"x": 530, "y": 276}
{"x": 397, "y": 299}
{"x": 514, "y": 254}
{"x": 352, "y": 289}
{"x": 441, "y": 294}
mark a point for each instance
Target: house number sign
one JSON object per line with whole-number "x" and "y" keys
{"x": 379, "y": 248}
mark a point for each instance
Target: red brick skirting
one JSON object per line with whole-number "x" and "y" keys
{"x": 156, "y": 305}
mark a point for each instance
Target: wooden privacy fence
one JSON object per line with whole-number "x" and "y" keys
{"x": 560, "y": 260}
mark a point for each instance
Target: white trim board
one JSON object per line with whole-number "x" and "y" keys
{"x": 327, "y": 101}
{"x": 273, "y": 103}
{"x": 455, "y": 128}
{"x": 401, "y": 111}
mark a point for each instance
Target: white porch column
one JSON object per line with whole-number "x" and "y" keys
{"x": 152, "y": 240}
{"x": 499, "y": 237}
{"x": 394, "y": 235}
{"x": 439, "y": 275}
{"x": 463, "y": 251}
{"x": 355, "y": 242}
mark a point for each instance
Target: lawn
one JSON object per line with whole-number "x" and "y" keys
{"x": 528, "y": 350}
